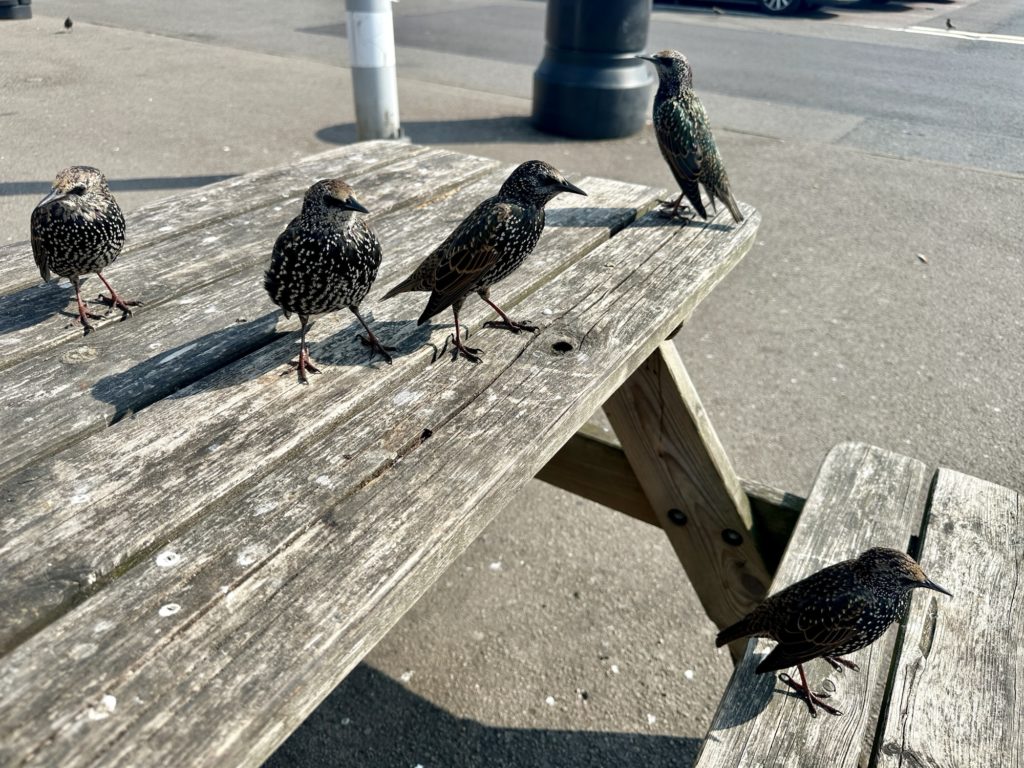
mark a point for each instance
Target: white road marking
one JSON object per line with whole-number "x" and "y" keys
{"x": 986, "y": 37}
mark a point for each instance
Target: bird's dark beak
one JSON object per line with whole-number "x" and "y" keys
{"x": 568, "y": 186}
{"x": 355, "y": 205}
{"x": 647, "y": 58}
{"x": 55, "y": 194}
{"x": 932, "y": 585}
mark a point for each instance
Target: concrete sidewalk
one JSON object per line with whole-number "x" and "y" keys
{"x": 587, "y": 646}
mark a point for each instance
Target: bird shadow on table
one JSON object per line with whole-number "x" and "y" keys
{"x": 31, "y": 306}
{"x": 372, "y": 720}
{"x": 170, "y": 371}
{"x": 757, "y": 691}
{"x": 391, "y": 333}
{"x": 656, "y": 218}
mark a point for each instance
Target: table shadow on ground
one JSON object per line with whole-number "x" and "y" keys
{"x": 372, "y": 720}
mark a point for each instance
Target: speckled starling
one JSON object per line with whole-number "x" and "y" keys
{"x": 68, "y": 23}
{"x": 685, "y": 138}
{"x": 835, "y": 611}
{"x": 76, "y": 229}
{"x": 327, "y": 258}
{"x": 489, "y": 245}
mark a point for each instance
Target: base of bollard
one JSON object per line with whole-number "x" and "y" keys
{"x": 591, "y": 96}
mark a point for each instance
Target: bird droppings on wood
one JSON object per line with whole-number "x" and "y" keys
{"x": 169, "y": 609}
{"x": 167, "y": 559}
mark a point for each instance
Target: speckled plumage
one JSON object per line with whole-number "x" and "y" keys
{"x": 78, "y": 228}
{"x": 326, "y": 259}
{"x": 836, "y": 611}
{"x": 489, "y": 245}
{"x": 684, "y": 136}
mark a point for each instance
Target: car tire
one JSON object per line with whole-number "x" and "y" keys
{"x": 780, "y": 7}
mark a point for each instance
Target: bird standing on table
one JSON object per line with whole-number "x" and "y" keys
{"x": 327, "y": 258}
{"x": 836, "y": 611}
{"x": 76, "y": 229}
{"x": 685, "y": 138}
{"x": 489, "y": 245}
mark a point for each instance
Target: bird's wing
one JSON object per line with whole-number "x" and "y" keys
{"x": 468, "y": 253}
{"x": 680, "y": 140}
{"x": 816, "y": 628}
{"x": 38, "y": 249}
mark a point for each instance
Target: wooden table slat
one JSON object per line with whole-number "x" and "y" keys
{"x": 84, "y": 512}
{"x": 346, "y": 578}
{"x": 956, "y": 698}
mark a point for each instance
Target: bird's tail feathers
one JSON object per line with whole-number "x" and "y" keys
{"x": 740, "y": 629}
{"x": 402, "y": 287}
{"x": 730, "y": 202}
{"x": 435, "y": 304}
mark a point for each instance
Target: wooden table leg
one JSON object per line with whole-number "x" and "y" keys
{"x": 690, "y": 483}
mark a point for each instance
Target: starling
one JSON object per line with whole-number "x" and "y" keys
{"x": 68, "y": 23}
{"x": 327, "y": 258}
{"x": 835, "y": 611}
{"x": 76, "y": 229}
{"x": 684, "y": 136}
{"x": 949, "y": 24}
{"x": 490, "y": 244}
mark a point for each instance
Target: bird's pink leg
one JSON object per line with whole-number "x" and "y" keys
{"x": 83, "y": 314}
{"x": 116, "y": 301}
{"x": 303, "y": 363}
{"x": 507, "y": 323}
{"x": 805, "y": 692}
{"x": 837, "y": 663}
{"x": 470, "y": 353}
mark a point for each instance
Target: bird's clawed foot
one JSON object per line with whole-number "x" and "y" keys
{"x": 83, "y": 318}
{"x": 512, "y": 325}
{"x": 116, "y": 302}
{"x": 302, "y": 364}
{"x": 376, "y": 347}
{"x": 458, "y": 348}
{"x": 837, "y": 663}
{"x": 674, "y": 209}
{"x": 809, "y": 696}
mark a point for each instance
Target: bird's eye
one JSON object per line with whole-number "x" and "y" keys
{"x": 333, "y": 202}
{"x": 79, "y": 190}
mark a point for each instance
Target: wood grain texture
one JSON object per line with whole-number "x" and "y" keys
{"x": 863, "y": 497}
{"x": 63, "y": 393}
{"x": 82, "y": 514}
{"x": 956, "y": 695}
{"x": 34, "y": 320}
{"x": 341, "y": 537}
{"x": 681, "y": 465}
{"x": 171, "y": 216}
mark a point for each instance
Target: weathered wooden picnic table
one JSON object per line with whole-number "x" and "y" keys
{"x": 195, "y": 549}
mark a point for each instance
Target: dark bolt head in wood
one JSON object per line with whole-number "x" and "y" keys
{"x": 731, "y": 537}
{"x": 677, "y": 516}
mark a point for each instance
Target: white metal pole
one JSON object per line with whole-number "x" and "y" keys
{"x": 371, "y": 40}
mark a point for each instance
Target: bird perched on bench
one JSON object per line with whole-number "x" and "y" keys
{"x": 327, "y": 258}
{"x": 78, "y": 228}
{"x": 489, "y": 245}
{"x": 836, "y": 611}
{"x": 685, "y": 138}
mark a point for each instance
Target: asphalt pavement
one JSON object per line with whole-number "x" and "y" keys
{"x": 881, "y": 303}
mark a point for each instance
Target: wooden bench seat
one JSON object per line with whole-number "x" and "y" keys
{"x": 940, "y": 692}
{"x": 195, "y": 549}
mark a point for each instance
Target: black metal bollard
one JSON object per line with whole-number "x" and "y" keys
{"x": 11, "y": 10}
{"x": 588, "y": 85}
